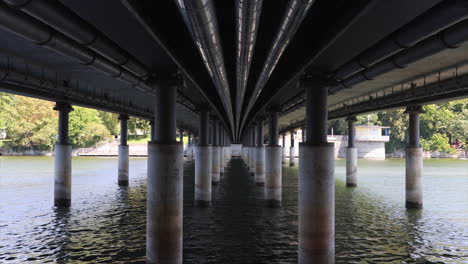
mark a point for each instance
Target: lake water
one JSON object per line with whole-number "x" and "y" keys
{"x": 106, "y": 224}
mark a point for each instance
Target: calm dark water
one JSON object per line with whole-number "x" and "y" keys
{"x": 106, "y": 224}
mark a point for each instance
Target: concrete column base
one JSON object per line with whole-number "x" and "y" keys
{"x": 215, "y": 173}
{"x": 62, "y": 178}
{"x": 252, "y": 160}
{"x": 414, "y": 179}
{"x": 283, "y": 155}
{"x": 316, "y": 204}
{"x": 273, "y": 175}
{"x": 203, "y": 160}
{"x": 227, "y": 155}
{"x": 243, "y": 155}
{"x": 123, "y": 165}
{"x": 260, "y": 165}
{"x": 351, "y": 167}
{"x": 222, "y": 160}
{"x": 292, "y": 156}
{"x": 164, "y": 203}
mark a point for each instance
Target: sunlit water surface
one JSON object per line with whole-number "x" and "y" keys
{"x": 106, "y": 224}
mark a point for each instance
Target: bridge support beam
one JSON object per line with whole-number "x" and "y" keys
{"x": 203, "y": 163}
{"x": 351, "y": 154}
{"x": 164, "y": 195}
{"x": 63, "y": 155}
{"x": 273, "y": 152}
{"x": 316, "y": 183}
{"x": 260, "y": 155}
{"x": 123, "y": 152}
{"x": 215, "y": 172}
{"x": 414, "y": 161}
{"x": 292, "y": 151}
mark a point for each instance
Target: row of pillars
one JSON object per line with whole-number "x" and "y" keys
{"x": 63, "y": 154}
{"x": 211, "y": 156}
{"x": 264, "y": 162}
{"x": 316, "y": 172}
{"x": 165, "y": 168}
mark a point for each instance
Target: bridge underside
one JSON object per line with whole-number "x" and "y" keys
{"x": 232, "y": 57}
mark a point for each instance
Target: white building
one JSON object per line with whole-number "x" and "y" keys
{"x": 370, "y": 141}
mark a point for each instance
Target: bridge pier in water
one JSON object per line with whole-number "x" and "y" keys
{"x": 252, "y": 151}
{"x": 203, "y": 163}
{"x": 351, "y": 154}
{"x": 215, "y": 173}
{"x": 123, "y": 152}
{"x": 283, "y": 149}
{"x": 222, "y": 158}
{"x": 316, "y": 183}
{"x": 259, "y": 154}
{"x": 414, "y": 160}
{"x": 63, "y": 158}
{"x": 292, "y": 151}
{"x": 164, "y": 186}
{"x": 273, "y": 160}
{"x": 189, "y": 147}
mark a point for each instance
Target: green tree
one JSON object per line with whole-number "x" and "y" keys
{"x": 369, "y": 119}
{"x": 437, "y": 142}
{"x": 340, "y": 127}
{"x": 135, "y": 124}
{"x": 459, "y": 126}
{"x": 86, "y": 127}
{"x": 35, "y": 123}
{"x": 111, "y": 121}
{"x": 6, "y": 102}
{"x": 436, "y": 119}
{"x": 397, "y": 120}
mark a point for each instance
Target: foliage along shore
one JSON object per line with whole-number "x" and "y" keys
{"x": 31, "y": 125}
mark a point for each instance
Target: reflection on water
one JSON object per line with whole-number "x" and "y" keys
{"x": 106, "y": 224}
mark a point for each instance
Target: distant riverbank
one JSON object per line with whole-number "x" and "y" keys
{"x": 141, "y": 150}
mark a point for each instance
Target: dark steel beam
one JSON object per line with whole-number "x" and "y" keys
{"x": 292, "y": 19}
{"x": 451, "y": 89}
{"x": 177, "y": 44}
{"x": 62, "y": 19}
{"x": 311, "y": 49}
{"x": 248, "y": 17}
{"x": 436, "y": 19}
{"x": 34, "y": 30}
{"x": 201, "y": 21}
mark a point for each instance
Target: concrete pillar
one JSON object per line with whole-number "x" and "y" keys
{"x": 165, "y": 181}
{"x": 203, "y": 163}
{"x": 316, "y": 183}
{"x": 292, "y": 150}
{"x": 273, "y": 166}
{"x": 283, "y": 149}
{"x": 189, "y": 147}
{"x": 181, "y": 141}
{"x": 303, "y": 134}
{"x": 152, "y": 132}
{"x": 181, "y": 136}
{"x": 123, "y": 152}
{"x": 215, "y": 172}
{"x": 351, "y": 154}
{"x": 63, "y": 162}
{"x": 252, "y": 151}
{"x": 221, "y": 148}
{"x": 260, "y": 155}
{"x": 414, "y": 161}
